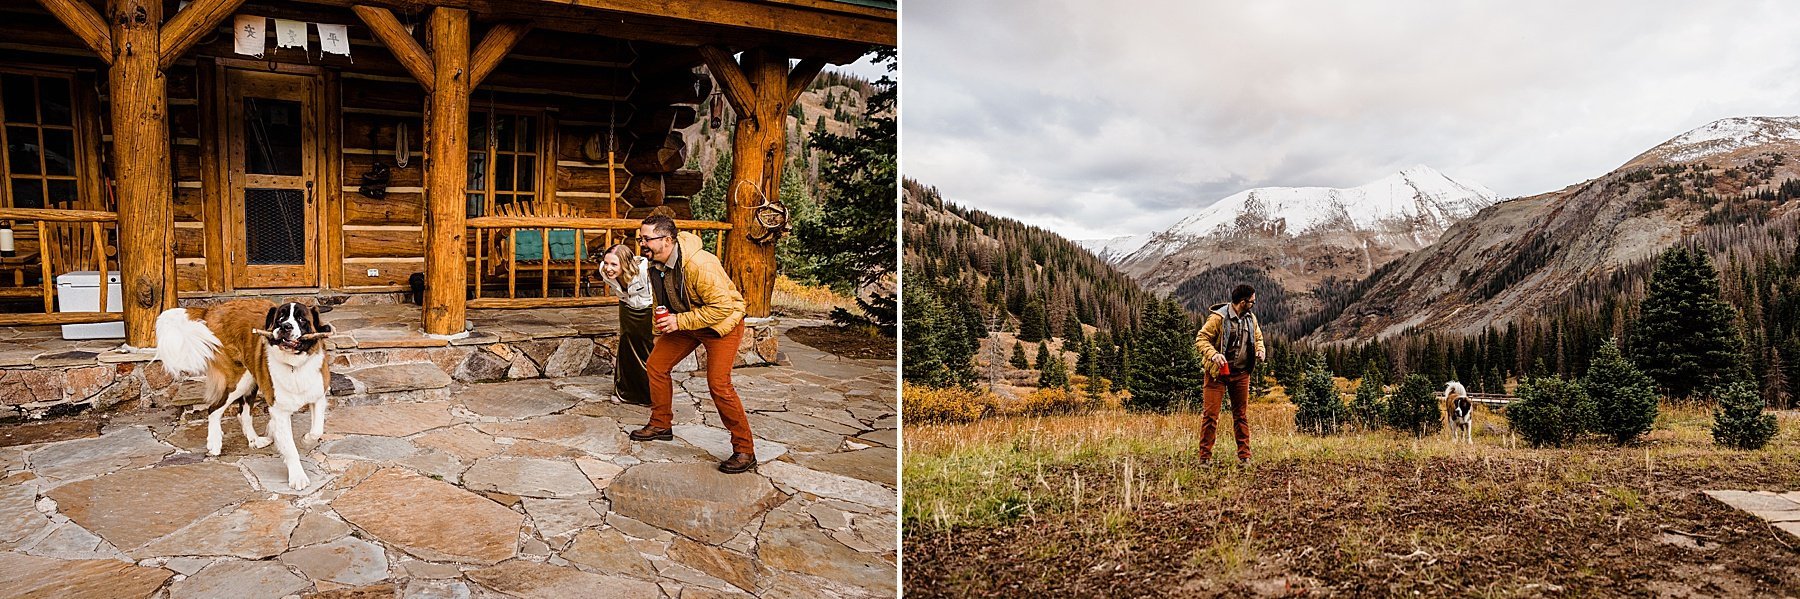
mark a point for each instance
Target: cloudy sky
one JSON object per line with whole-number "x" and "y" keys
{"x": 1106, "y": 118}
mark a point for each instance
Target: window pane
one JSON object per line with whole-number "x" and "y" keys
{"x": 54, "y": 95}
{"x": 527, "y": 172}
{"x": 503, "y": 174}
{"x": 474, "y": 205}
{"x": 63, "y": 194}
{"x": 274, "y": 226}
{"x": 477, "y": 130}
{"x": 272, "y": 137}
{"x": 22, "y": 150}
{"x": 503, "y": 131}
{"x": 527, "y": 132}
{"x": 27, "y": 193}
{"x": 477, "y": 171}
{"x": 17, "y": 93}
{"x": 59, "y": 152}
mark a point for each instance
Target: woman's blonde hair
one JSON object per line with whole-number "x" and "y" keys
{"x": 627, "y": 264}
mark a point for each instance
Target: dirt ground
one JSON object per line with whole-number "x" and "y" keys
{"x": 1354, "y": 518}
{"x": 845, "y": 343}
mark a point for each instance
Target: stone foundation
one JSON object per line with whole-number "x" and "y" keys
{"x": 374, "y": 360}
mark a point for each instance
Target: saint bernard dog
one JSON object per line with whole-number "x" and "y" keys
{"x": 1461, "y": 412}
{"x": 252, "y": 347}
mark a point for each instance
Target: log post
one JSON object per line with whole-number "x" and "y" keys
{"x": 446, "y": 271}
{"x": 141, "y": 163}
{"x": 761, "y": 91}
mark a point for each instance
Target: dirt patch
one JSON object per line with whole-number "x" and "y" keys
{"x": 844, "y": 343}
{"x": 1527, "y": 524}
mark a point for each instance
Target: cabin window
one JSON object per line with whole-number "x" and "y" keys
{"x": 40, "y": 162}
{"x": 504, "y": 159}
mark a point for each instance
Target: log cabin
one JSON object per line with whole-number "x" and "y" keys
{"x": 491, "y": 148}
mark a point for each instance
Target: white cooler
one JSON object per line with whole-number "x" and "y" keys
{"x": 79, "y": 291}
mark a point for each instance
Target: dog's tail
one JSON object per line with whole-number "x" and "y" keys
{"x": 184, "y": 345}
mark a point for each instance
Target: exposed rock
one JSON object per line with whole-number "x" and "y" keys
{"x": 133, "y": 507}
{"x": 239, "y": 580}
{"x": 32, "y": 576}
{"x": 825, "y": 484}
{"x": 348, "y": 560}
{"x": 460, "y": 526}
{"x": 124, "y": 448}
{"x": 598, "y": 436}
{"x": 528, "y": 477}
{"x": 519, "y": 399}
{"x": 527, "y": 579}
{"x": 389, "y": 419}
{"x": 695, "y": 500}
{"x": 607, "y": 552}
{"x": 255, "y": 530}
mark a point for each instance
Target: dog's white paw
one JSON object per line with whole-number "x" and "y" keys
{"x": 260, "y": 442}
{"x": 213, "y": 447}
{"x": 311, "y": 438}
{"x": 298, "y": 480}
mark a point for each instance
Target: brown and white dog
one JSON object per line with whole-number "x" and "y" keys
{"x": 1461, "y": 412}
{"x": 253, "y": 347}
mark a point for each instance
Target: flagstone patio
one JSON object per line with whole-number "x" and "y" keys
{"x": 525, "y": 488}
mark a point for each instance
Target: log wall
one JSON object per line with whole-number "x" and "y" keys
{"x": 584, "y": 88}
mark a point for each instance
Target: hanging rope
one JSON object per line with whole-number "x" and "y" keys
{"x": 402, "y": 146}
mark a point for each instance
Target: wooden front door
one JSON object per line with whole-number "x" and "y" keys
{"x": 272, "y": 161}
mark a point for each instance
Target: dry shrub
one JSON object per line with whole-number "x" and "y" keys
{"x": 953, "y": 405}
{"x": 1053, "y": 401}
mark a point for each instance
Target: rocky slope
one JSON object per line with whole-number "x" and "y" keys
{"x": 1301, "y": 235}
{"x": 1527, "y": 254}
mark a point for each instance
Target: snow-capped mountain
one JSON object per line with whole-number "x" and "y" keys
{"x": 1529, "y": 254}
{"x": 1303, "y": 234}
{"x": 1112, "y": 249}
{"x": 1723, "y": 136}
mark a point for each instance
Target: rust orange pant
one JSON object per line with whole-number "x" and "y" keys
{"x": 721, "y": 353}
{"x": 1238, "y": 384}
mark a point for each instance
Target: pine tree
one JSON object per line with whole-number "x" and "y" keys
{"x": 1624, "y": 397}
{"x": 1032, "y": 322}
{"x": 1740, "y": 422}
{"x": 1413, "y": 408}
{"x": 1685, "y": 337}
{"x": 1043, "y": 355}
{"x": 1084, "y": 358}
{"x": 1072, "y": 329}
{"x": 1164, "y": 370}
{"x": 1493, "y": 381}
{"x": 936, "y": 354}
{"x": 1368, "y": 407}
{"x": 851, "y": 244}
{"x": 1018, "y": 356}
{"x": 1320, "y": 410}
{"x": 1054, "y": 373}
{"x": 1550, "y": 411}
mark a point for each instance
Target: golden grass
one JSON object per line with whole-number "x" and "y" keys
{"x": 791, "y": 296}
{"x": 984, "y": 472}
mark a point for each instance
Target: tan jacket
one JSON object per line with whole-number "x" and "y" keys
{"x": 1210, "y": 336}
{"x": 716, "y": 302}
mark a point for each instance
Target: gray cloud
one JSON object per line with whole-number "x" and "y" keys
{"x": 1106, "y": 118}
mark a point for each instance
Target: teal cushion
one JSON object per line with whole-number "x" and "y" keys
{"x": 530, "y": 246}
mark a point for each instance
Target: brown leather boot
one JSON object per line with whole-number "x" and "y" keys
{"x": 739, "y": 462}
{"x": 649, "y": 433}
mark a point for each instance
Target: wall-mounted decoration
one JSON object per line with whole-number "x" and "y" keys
{"x": 375, "y": 182}
{"x": 402, "y": 146}
{"x": 249, "y": 31}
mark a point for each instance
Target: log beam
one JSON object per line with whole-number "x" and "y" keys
{"x": 192, "y": 23}
{"x": 86, "y": 23}
{"x": 493, "y": 49}
{"x": 392, "y": 34}
{"x": 446, "y": 271}
{"x": 758, "y": 153}
{"x": 803, "y": 75}
{"x": 141, "y": 162}
{"x": 736, "y": 85}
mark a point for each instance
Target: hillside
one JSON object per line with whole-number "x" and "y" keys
{"x": 1002, "y": 265}
{"x": 1724, "y": 181}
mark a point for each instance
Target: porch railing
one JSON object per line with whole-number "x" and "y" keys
{"x": 498, "y": 248}
{"x": 67, "y": 241}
